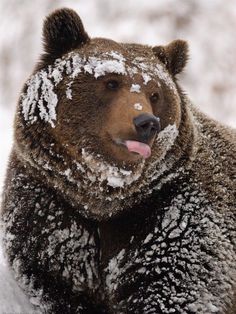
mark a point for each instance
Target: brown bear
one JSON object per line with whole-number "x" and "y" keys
{"x": 120, "y": 194}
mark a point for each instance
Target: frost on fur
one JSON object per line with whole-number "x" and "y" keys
{"x": 39, "y": 101}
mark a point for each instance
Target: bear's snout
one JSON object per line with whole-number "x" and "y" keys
{"x": 127, "y": 134}
{"x": 147, "y": 126}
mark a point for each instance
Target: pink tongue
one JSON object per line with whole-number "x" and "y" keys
{"x": 138, "y": 147}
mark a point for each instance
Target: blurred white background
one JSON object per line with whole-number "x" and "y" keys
{"x": 209, "y": 27}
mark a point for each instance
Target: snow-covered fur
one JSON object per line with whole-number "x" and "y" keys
{"x": 85, "y": 232}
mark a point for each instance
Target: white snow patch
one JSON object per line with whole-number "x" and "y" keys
{"x": 102, "y": 171}
{"x": 69, "y": 91}
{"x": 109, "y": 62}
{"x": 154, "y": 71}
{"x": 114, "y": 271}
{"x": 148, "y": 238}
{"x": 138, "y": 106}
{"x": 164, "y": 76}
{"x": 212, "y": 308}
{"x": 146, "y": 78}
{"x": 100, "y": 67}
{"x": 168, "y": 135}
{"x": 135, "y": 88}
{"x": 40, "y": 94}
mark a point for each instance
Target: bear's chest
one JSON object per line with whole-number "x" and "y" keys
{"x": 164, "y": 253}
{"x": 167, "y": 258}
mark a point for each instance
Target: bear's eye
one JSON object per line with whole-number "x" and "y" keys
{"x": 154, "y": 98}
{"x": 112, "y": 85}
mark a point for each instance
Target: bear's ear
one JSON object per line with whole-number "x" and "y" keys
{"x": 62, "y": 32}
{"x": 174, "y": 56}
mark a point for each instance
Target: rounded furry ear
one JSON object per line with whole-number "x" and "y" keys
{"x": 174, "y": 56}
{"x": 62, "y": 32}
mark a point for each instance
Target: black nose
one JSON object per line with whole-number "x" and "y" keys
{"x": 147, "y": 125}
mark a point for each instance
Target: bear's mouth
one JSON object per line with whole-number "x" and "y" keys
{"x": 135, "y": 147}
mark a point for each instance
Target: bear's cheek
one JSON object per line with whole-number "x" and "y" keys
{"x": 78, "y": 125}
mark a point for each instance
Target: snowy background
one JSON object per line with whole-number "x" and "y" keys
{"x": 209, "y": 79}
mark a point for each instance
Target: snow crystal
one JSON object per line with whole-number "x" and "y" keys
{"x": 77, "y": 64}
{"x": 168, "y": 136}
{"x": 148, "y": 238}
{"x": 56, "y": 75}
{"x": 164, "y": 76}
{"x": 135, "y": 88}
{"x": 212, "y": 308}
{"x": 116, "y": 55}
{"x": 142, "y": 270}
{"x": 100, "y": 67}
{"x": 138, "y": 106}
{"x": 40, "y": 94}
{"x": 109, "y": 62}
{"x": 69, "y": 91}
{"x": 102, "y": 171}
{"x": 115, "y": 182}
{"x": 153, "y": 71}
{"x": 114, "y": 270}
{"x": 80, "y": 167}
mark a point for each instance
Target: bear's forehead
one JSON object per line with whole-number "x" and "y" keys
{"x": 102, "y": 56}
{"x": 129, "y": 53}
{"x": 128, "y": 50}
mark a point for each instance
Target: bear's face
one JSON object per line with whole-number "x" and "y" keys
{"x": 99, "y": 111}
{"x": 117, "y": 104}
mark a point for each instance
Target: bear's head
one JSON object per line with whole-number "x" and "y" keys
{"x": 100, "y": 120}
